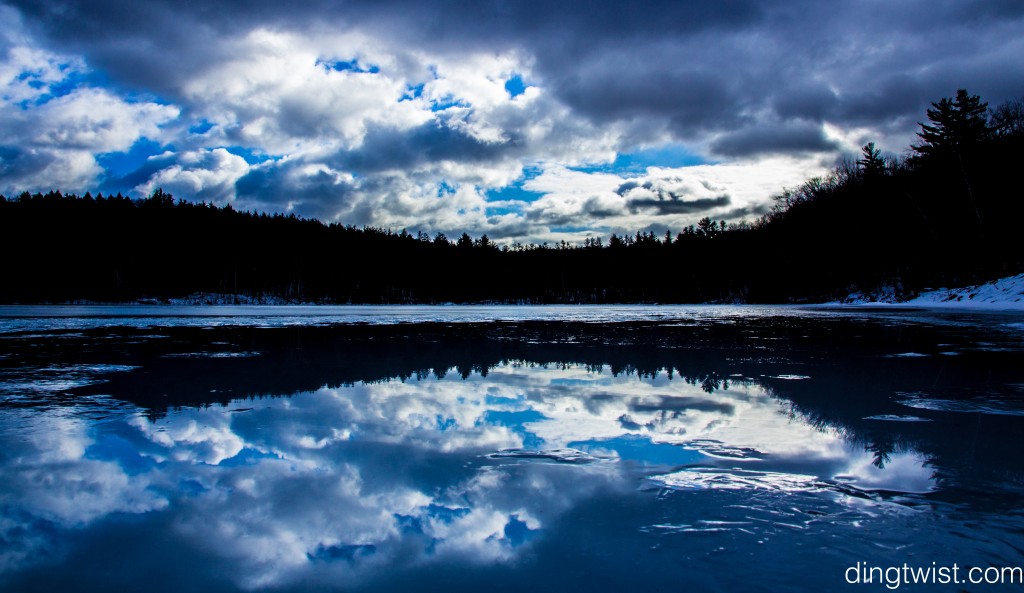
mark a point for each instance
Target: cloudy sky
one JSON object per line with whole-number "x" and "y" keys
{"x": 523, "y": 120}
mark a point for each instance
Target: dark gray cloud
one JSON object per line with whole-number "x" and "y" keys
{"x": 788, "y": 137}
{"x": 319, "y": 194}
{"x": 693, "y": 66}
{"x": 388, "y": 148}
{"x": 677, "y": 206}
{"x": 669, "y": 403}
{"x": 632, "y": 184}
{"x": 812, "y": 100}
{"x": 688, "y": 99}
{"x": 664, "y": 201}
{"x": 590, "y": 210}
{"x": 752, "y": 210}
{"x": 17, "y": 162}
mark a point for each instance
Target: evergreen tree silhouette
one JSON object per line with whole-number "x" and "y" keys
{"x": 958, "y": 125}
{"x": 871, "y": 163}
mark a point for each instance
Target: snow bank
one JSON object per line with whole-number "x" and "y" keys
{"x": 1002, "y": 294}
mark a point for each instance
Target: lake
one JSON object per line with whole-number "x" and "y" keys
{"x": 469, "y": 448}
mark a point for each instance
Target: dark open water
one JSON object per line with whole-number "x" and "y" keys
{"x": 555, "y": 449}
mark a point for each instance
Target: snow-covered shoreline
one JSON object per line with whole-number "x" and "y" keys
{"x": 202, "y": 298}
{"x": 1002, "y": 294}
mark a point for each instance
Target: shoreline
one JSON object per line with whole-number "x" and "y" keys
{"x": 1003, "y": 294}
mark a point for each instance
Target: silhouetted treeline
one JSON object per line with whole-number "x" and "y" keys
{"x": 947, "y": 214}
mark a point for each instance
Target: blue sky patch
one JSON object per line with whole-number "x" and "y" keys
{"x": 349, "y": 552}
{"x": 202, "y": 127}
{"x": 501, "y": 211}
{"x": 515, "y": 421}
{"x": 123, "y": 165}
{"x": 111, "y": 447}
{"x": 352, "y": 65}
{"x": 669, "y": 155}
{"x": 72, "y": 81}
{"x": 445, "y": 423}
{"x": 515, "y": 86}
{"x": 570, "y": 381}
{"x": 251, "y": 157}
{"x": 446, "y": 189}
{"x": 517, "y": 532}
{"x": 639, "y": 448}
{"x": 248, "y": 456}
{"x": 512, "y": 193}
{"x": 512, "y": 419}
{"x": 446, "y": 514}
{"x": 515, "y": 191}
{"x": 447, "y": 103}
{"x": 497, "y": 400}
{"x": 412, "y": 91}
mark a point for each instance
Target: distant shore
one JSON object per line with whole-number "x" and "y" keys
{"x": 1001, "y": 294}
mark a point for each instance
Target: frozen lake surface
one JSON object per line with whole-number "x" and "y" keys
{"x": 701, "y": 448}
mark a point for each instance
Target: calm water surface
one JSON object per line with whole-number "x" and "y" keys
{"x": 505, "y": 448}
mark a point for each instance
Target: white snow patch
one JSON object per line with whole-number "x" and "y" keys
{"x": 1002, "y": 294}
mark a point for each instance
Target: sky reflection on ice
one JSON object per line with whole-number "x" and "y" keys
{"x": 472, "y": 459}
{"x": 342, "y": 482}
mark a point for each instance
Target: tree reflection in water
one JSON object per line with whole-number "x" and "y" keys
{"x": 501, "y": 455}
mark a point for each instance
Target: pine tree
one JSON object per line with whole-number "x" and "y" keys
{"x": 958, "y": 125}
{"x": 871, "y": 164}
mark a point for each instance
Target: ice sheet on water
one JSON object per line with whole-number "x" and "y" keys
{"x": 56, "y": 378}
{"x": 897, "y": 418}
{"x": 559, "y": 455}
{"x": 715, "y": 478}
{"x": 700, "y": 526}
{"x": 699, "y": 478}
{"x": 212, "y": 355}
{"x": 715, "y": 448}
{"x": 978, "y": 405}
{"x": 81, "y": 317}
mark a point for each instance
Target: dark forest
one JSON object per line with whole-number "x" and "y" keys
{"x": 947, "y": 213}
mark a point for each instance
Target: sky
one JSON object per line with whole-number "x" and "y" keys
{"x": 527, "y": 121}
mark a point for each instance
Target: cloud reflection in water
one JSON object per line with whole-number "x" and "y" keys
{"x": 341, "y": 485}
